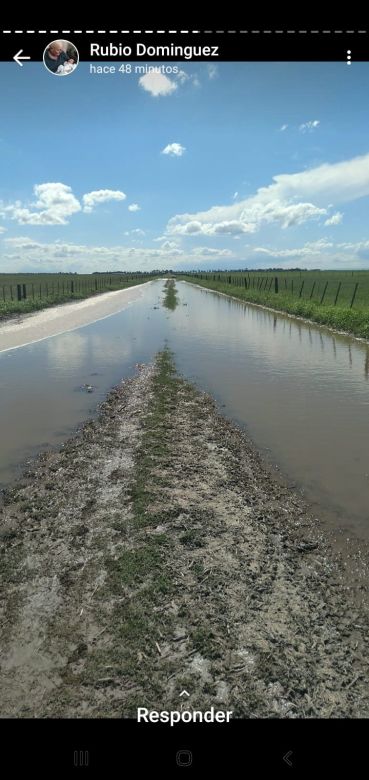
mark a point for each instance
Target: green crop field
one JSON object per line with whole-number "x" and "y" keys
{"x": 20, "y": 293}
{"x": 339, "y": 299}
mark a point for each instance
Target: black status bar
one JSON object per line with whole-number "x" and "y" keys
{"x": 299, "y": 45}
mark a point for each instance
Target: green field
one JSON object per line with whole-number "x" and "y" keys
{"x": 21, "y": 293}
{"x": 339, "y": 299}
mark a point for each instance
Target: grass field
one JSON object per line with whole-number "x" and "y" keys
{"x": 21, "y": 293}
{"x": 339, "y": 299}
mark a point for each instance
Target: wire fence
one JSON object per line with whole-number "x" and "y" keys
{"x": 71, "y": 286}
{"x": 346, "y": 291}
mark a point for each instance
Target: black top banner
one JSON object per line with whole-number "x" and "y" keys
{"x": 254, "y": 44}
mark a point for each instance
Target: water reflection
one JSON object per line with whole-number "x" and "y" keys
{"x": 366, "y": 365}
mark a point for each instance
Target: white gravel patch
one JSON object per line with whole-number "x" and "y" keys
{"x": 27, "y": 329}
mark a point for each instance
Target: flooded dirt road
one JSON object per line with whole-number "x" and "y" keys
{"x": 300, "y": 391}
{"x": 155, "y": 552}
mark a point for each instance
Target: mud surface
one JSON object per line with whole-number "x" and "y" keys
{"x": 156, "y": 552}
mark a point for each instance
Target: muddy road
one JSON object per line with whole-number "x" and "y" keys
{"x": 155, "y": 552}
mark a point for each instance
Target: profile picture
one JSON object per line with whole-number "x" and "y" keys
{"x": 61, "y": 58}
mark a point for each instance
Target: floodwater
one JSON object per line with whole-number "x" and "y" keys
{"x": 301, "y": 392}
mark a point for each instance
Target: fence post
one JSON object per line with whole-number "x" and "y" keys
{"x": 276, "y": 284}
{"x": 33, "y": 291}
{"x": 302, "y": 288}
{"x": 354, "y": 295}
{"x": 312, "y": 290}
{"x": 337, "y": 293}
{"x": 72, "y": 286}
{"x": 19, "y": 292}
{"x": 324, "y": 292}
{"x": 24, "y": 291}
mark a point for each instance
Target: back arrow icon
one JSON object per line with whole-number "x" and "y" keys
{"x": 287, "y": 757}
{"x": 18, "y": 58}
{"x": 184, "y": 693}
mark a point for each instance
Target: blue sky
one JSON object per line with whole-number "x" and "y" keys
{"x": 233, "y": 165}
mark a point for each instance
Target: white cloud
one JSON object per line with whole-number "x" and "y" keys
{"x": 330, "y": 182}
{"x": 26, "y": 254}
{"x": 250, "y": 221}
{"x": 157, "y": 84}
{"x": 182, "y": 76}
{"x": 283, "y": 128}
{"x": 309, "y": 126}
{"x": 357, "y": 246}
{"x": 291, "y": 199}
{"x": 232, "y": 227}
{"x": 23, "y": 242}
{"x": 23, "y": 253}
{"x": 335, "y": 219}
{"x": 206, "y": 251}
{"x": 135, "y": 232}
{"x": 212, "y": 69}
{"x": 235, "y": 195}
{"x": 92, "y": 199}
{"x": 169, "y": 245}
{"x": 55, "y": 203}
{"x": 175, "y": 150}
{"x": 310, "y": 248}
{"x": 134, "y": 207}
{"x": 2, "y": 229}
{"x": 313, "y": 254}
